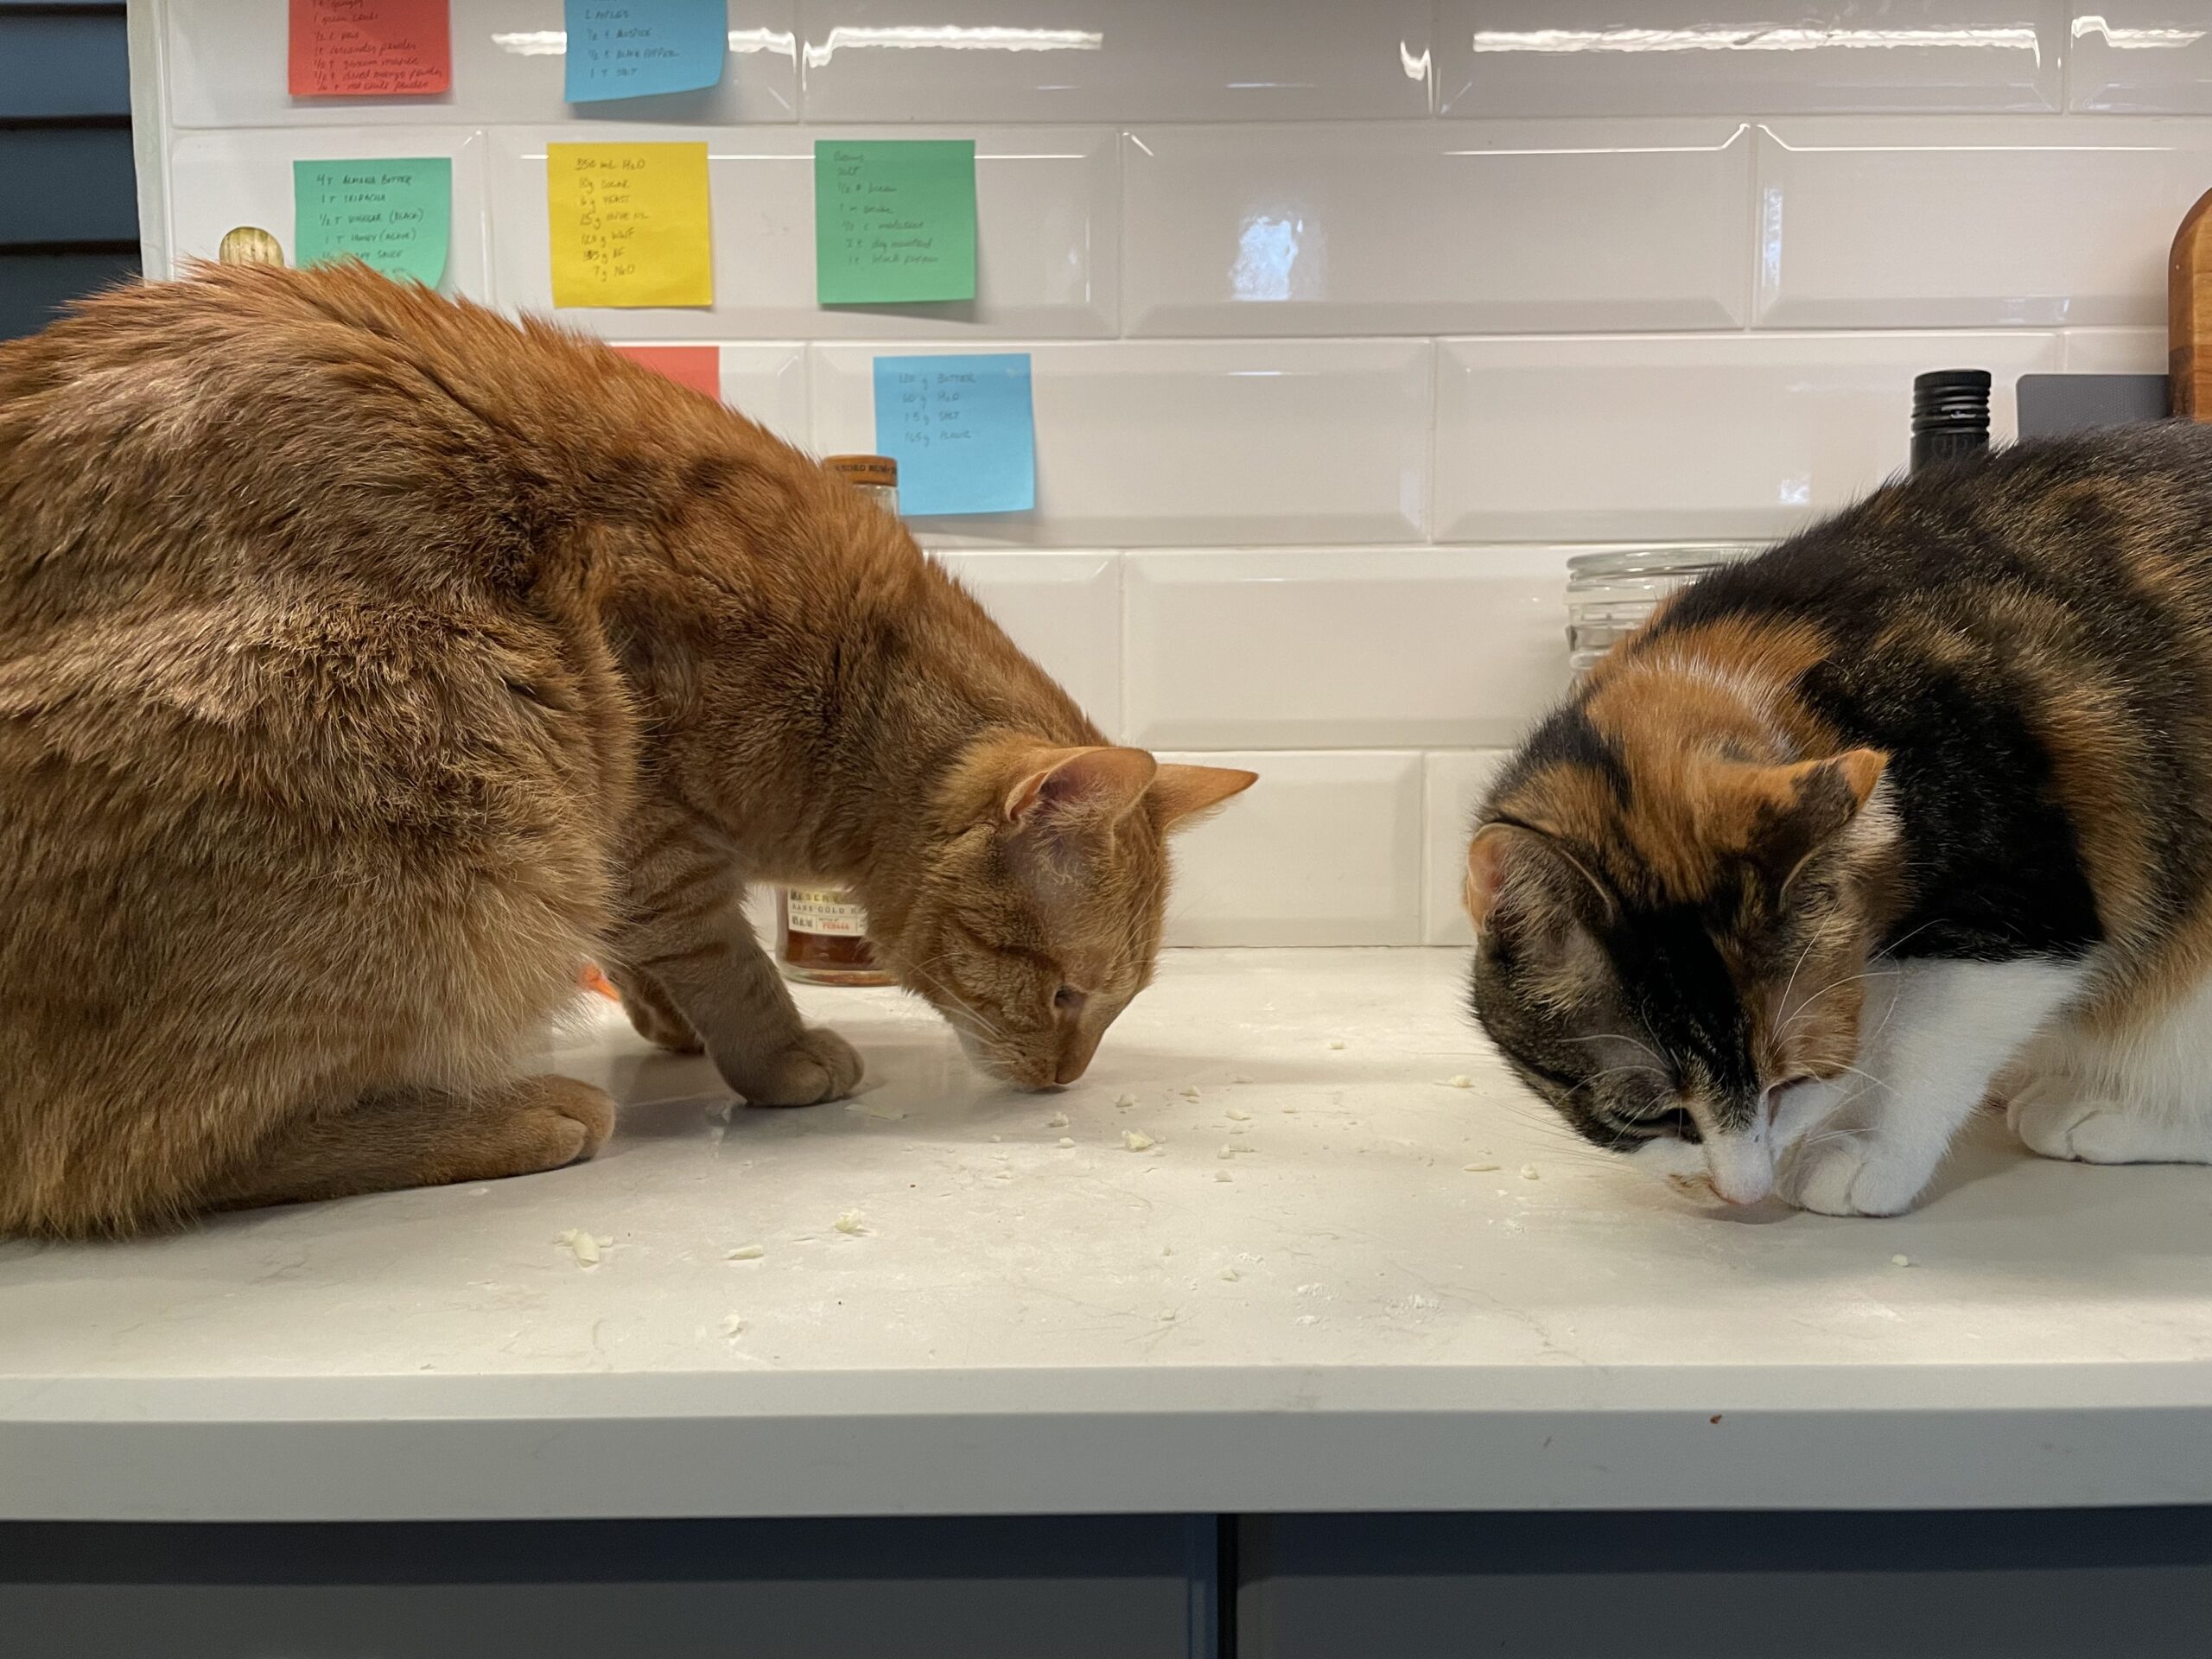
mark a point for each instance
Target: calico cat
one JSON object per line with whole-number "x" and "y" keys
{"x": 368, "y": 662}
{"x": 1910, "y": 813}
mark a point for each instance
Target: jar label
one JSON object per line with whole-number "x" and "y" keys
{"x": 822, "y": 911}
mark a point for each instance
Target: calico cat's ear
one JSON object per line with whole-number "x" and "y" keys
{"x": 1097, "y": 785}
{"x": 1503, "y": 858}
{"x": 1797, "y": 810}
{"x": 1180, "y": 793}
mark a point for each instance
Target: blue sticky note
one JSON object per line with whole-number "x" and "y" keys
{"x": 637, "y": 49}
{"x": 962, "y": 431}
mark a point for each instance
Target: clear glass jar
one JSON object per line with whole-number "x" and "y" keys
{"x": 1610, "y": 595}
{"x": 822, "y": 932}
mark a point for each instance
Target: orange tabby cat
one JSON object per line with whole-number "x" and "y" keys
{"x": 367, "y": 662}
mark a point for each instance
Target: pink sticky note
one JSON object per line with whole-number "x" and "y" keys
{"x": 369, "y": 48}
{"x": 699, "y": 367}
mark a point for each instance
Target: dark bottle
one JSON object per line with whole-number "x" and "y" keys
{"x": 1951, "y": 415}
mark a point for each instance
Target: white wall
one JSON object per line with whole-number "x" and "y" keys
{"x": 1351, "y": 321}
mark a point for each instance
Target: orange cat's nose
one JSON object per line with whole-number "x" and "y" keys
{"x": 1073, "y": 1066}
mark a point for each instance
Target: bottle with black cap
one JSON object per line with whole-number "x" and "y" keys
{"x": 1951, "y": 415}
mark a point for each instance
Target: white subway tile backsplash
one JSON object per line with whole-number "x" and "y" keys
{"x": 1065, "y": 610}
{"x": 2114, "y": 351}
{"x": 1375, "y": 647}
{"x": 1686, "y": 437}
{"x": 1698, "y": 57}
{"x": 220, "y": 180}
{"x": 1325, "y": 849}
{"x": 767, "y": 383}
{"x": 1129, "y": 61}
{"x": 1438, "y": 228}
{"x": 1145, "y": 443}
{"x": 1964, "y": 224}
{"x": 2141, "y": 57}
{"x": 1452, "y": 783}
{"x": 226, "y": 68}
{"x": 1047, "y": 259}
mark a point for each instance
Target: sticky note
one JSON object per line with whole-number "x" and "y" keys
{"x": 636, "y": 48}
{"x": 629, "y": 224}
{"x": 894, "y": 221}
{"x": 699, "y": 367}
{"x": 961, "y": 430}
{"x": 369, "y": 48}
{"x": 394, "y": 216}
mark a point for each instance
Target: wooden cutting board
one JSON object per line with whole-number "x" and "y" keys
{"x": 2188, "y": 314}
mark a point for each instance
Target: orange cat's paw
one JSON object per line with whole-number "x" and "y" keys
{"x": 821, "y": 1065}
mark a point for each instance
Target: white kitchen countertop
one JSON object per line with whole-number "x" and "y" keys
{"x": 1025, "y": 1326}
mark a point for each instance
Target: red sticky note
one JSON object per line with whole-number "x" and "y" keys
{"x": 369, "y": 48}
{"x": 699, "y": 367}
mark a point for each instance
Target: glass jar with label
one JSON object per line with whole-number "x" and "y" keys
{"x": 822, "y": 932}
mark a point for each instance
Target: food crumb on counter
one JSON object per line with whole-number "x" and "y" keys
{"x": 1137, "y": 1140}
{"x": 747, "y": 1253}
{"x": 1900, "y": 1260}
{"x": 1479, "y": 1169}
{"x": 582, "y": 1245}
{"x": 851, "y": 1221}
{"x": 1459, "y": 1080}
{"x": 1530, "y": 1172}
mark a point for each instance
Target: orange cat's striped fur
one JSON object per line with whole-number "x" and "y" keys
{"x": 367, "y": 662}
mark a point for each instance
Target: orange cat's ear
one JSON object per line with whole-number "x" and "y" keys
{"x": 1100, "y": 785}
{"x": 1179, "y": 794}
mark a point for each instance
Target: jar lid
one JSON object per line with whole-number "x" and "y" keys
{"x": 1654, "y": 560}
{"x": 864, "y": 469}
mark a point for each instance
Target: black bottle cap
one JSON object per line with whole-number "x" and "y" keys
{"x": 1950, "y": 397}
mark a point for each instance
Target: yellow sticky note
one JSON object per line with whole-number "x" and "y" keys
{"x": 629, "y": 224}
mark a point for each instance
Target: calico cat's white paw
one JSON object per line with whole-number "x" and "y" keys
{"x": 1857, "y": 1175}
{"x": 2052, "y": 1116}
{"x": 820, "y": 1067}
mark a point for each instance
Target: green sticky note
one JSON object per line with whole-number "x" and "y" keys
{"x": 395, "y": 216}
{"x": 894, "y": 221}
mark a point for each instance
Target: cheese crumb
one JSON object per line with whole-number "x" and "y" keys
{"x": 748, "y": 1252}
{"x": 1238, "y": 1114}
{"x": 1461, "y": 1081}
{"x": 1900, "y": 1260}
{"x": 1057, "y": 1121}
{"x": 1221, "y": 1174}
{"x": 1226, "y": 1152}
{"x": 1529, "y": 1172}
{"x": 1136, "y": 1139}
{"x": 582, "y": 1245}
{"x": 1167, "y": 1317}
{"x": 1479, "y": 1169}
{"x": 1336, "y": 1042}
{"x": 1125, "y": 1102}
{"x": 1190, "y": 1093}
{"x": 732, "y": 1324}
{"x": 1309, "y": 1318}
{"x": 1231, "y": 1274}
{"x": 1067, "y": 1140}
{"x": 851, "y": 1221}
{"x": 1240, "y": 1077}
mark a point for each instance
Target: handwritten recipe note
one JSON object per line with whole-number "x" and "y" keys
{"x": 629, "y": 224}
{"x": 894, "y": 221}
{"x": 394, "y": 216}
{"x": 369, "y": 48}
{"x": 962, "y": 430}
{"x": 640, "y": 48}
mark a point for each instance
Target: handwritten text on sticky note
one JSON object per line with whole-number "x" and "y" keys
{"x": 638, "y": 48}
{"x": 962, "y": 431}
{"x": 369, "y": 48}
{"x": 894, "y": 221}
{"x": 699, "y": 367}
{"x": 394, "y": 216}
{"x": 629, "y": 224}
